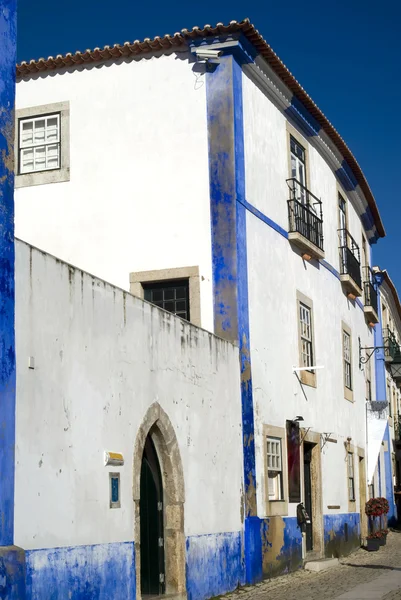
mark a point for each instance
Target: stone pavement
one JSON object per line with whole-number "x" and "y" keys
{"x": 360, "y": 576}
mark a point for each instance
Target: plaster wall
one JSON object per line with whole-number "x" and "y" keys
{"x": 139, "y": 172}
{"x": 101, "y": 358}
{"x": 275, "y": 273}
{"x": 267, "y": 168}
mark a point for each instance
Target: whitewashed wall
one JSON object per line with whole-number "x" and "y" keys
{"x": 102, "y": 357}
{"x": 138, "y": 198}
{"x": 275, "y": 273}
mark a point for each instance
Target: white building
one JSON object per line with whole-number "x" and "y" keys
{"x": 383, "y": 413}
{"x": 195, "y": 171}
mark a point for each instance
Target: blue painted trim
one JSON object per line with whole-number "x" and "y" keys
{"x": 242, "y": 291}
{"x": 380, "y": 365}
{"x": 253, "y": 550}
{"x": 257, "y": 213}
{"x": 392, "y": 514}
{"x": 229, "y": 253}
{"x": 263, "y": 218}
{"x": 8, "y": 42}
{"x": 220, "y": 101}
{"x": 104, "y": 571}
{"x": 303, "y": 118}
{"x": 330, "y": 268}
{"x": 214, "y": 564}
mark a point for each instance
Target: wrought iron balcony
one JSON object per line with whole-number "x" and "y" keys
{"x": 370, "y": 294}
{"x": 305, "y": 219}
{"x": 392, "y": 351}
{"x": 350, "y": 263}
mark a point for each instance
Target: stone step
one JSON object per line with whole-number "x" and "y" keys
{"x": 321, "y": 565}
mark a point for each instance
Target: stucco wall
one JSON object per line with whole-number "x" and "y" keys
{"x": 276, "y": 272}
{"x": 138, "y": 192}
{"x": 102, "y": 357}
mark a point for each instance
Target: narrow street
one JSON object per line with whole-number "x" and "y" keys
{"x": 360, "y": 576}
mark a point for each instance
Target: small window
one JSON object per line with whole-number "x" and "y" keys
{"x": 298, "y": 169}
{"x": 39, "y": 143}
{"x": 173, "y": 296}
{"x": 351, "y": 483}
{"x": 347, "y": 360}
{"x": 115, "y": 501}
{"x": 305, "y": 320}
{"x": 274, "y": 468}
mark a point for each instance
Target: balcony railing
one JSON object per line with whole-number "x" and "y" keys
{"x": 369, "y": 288}
{"x": 305, "y": 213}
{"x": 350, "y": 259}
{"x": 392, "y": 348}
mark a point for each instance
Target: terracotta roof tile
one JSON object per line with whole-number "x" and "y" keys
{"x": 181, "y": 39}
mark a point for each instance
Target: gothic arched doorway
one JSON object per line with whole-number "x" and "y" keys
{"x": 158, "y": 477}
{"x": 151, "y": 518}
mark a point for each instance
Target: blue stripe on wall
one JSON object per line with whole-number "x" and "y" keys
{"x": 298, "y": 113}
{"x": 229, "y": 254}
{"x": 214, "y": 564}
{"x": 392, "y": 514}
{"x": 257, "y": 213}
{"x": 220, "y": 120}
{"x": 105, "y": 571}
{"x": 8, "y": 42}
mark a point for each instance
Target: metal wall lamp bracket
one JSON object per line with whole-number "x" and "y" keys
{"x": 369, "y": 351}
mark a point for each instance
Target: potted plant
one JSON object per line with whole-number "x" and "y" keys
{"x": 373, "y": 541}
{"x": 376, "y": 507}
{"x": 383, "y": 539}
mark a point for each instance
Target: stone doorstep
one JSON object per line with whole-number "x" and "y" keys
{"x": 321, "y": 565}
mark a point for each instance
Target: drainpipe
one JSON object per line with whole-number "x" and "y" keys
{"x": 12, "y": 559}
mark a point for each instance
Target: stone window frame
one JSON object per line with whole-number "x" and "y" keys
{"x": 59, "y": 175}
{"x": 348, "y": 393}
{"x": 138, "y": 278}
{"x": 276, "y": 508}
{"x": 351, "y": 449}
{"x": 291, "y": 131}
{"x": 306, "y": 377}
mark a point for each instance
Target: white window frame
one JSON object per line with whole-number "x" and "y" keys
{"x": 306, "y": 335}
{"x": 351, "y": 476}
{"x": 51, "y": 174}
{"x": 274, "y": 455}
{"x": 347, "y": 358}
{"x": 35, "y": 146}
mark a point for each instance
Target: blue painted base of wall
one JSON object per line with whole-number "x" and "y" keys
{"x": 12, "y": 573}
{"x": 341, "y": 534}
{"x": 215, "y": 564}
{"x": 101, "y": 572}
{"x": 253, "y": 550}
{"x": 281, "y": 546}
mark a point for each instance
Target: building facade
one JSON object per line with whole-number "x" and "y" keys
{"x": 212, "y": 186}
{"x": 383, "y": 414}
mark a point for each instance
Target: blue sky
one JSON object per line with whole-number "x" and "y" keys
{"x": 346, "y": 54}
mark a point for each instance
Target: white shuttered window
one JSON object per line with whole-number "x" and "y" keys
{"x": 274, "y": 468}
{"x": 347, "y": 360}
{"x": 39, "y": 143}
{"x": 305, "y": 319}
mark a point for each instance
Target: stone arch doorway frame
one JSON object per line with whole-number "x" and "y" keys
{"x": 157, "y": 424}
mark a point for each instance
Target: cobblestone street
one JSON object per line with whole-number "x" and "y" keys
{"x": 360, "y": 576}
